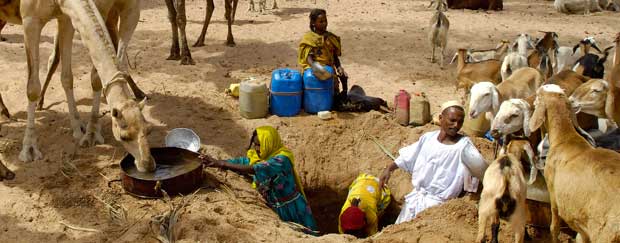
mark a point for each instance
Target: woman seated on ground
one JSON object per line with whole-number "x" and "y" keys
{"x": 322, "y": 46}
{"x": 365, "y": 204}
{"x": 275, "y": 178}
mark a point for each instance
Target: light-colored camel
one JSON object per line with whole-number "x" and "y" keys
{"x": 128, "y": 123}
{"x": 178, "y": 19}
{"x": 128, "y": 12}
{"x": 579, "y": 6}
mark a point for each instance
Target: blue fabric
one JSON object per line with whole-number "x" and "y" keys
{"x": 275, "y": 181}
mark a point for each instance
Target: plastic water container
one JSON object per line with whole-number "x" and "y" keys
{"x": 318, "y": 94}
{"x": 286, "y": 92}
{"x": 419, "y": 109}
{"x": 253, "y": 99}
{"x": 401, "y": 107}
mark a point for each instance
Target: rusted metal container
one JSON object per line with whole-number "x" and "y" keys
{"x": 178, "y": 171}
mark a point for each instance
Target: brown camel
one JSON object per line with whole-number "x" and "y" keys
{"x": 128, "y": 124}
{"x": 177, "y": 17}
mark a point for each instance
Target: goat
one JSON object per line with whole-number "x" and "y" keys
{"x": 609, "y": 140}
{"x": 577, "y": 6}
{"x": 567, "y": 56}
{"x": 582, "y": 180}
{"x": 476, "y": 4}
{"x": 594, "y": 97}
{"x": 438, "y": 30}
{"x": 467, "y": 74}
{"x": 612, "y": 108}
{"x": 486, "y": 97}
{"x": 261, "y": 5}
{"x": 482, "y": 55}
{"x": 613, "y": 6}
{"x": 540, "y": 60}
{"x": 592, "y": 65}
{"x": 514, "y": 61}
{"x": 503, "y": 196}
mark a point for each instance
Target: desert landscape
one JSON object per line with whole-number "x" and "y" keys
{"x": 68, "y": 195}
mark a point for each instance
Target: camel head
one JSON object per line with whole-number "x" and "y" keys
{"x": 130, "y": 129}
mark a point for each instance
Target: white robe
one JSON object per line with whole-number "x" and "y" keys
{"x": 439, "y": 172}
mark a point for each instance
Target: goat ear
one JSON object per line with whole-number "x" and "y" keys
{"x": 538, "y": 117}
{"x": 454, "y": 58}
{"x": 495, "y": 100}
{"x": 575, "y": 48}
{"x": 610, "y": 104}
{"x": 526, "y": 122}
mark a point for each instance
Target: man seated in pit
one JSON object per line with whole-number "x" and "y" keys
{"x": 365, "y": 204}
{"x": 440, "y": 163}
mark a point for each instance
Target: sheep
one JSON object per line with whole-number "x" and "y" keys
{"x": 482, "y": 55}
{"x": 582, "y": 180}
{"x": 438, "y": 30}
{"x": 476, "y": 4}
{"x": 486, "y": 97}
{"x": 503, "y": 196}
{"x": 577, "y": 6}
{"x": 467, "y": 74}
{"x": 514, "y": 61}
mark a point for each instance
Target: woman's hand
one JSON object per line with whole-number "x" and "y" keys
{"x": 341, "y": 72}
{"x": 210, "y": 161}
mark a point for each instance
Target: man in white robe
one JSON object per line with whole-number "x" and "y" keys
{"x": 441, "y": 163}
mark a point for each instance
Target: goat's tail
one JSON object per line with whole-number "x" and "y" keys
{"x": 505, "y": 204}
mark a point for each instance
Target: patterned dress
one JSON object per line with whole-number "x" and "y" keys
{"x": 275, "y": 181}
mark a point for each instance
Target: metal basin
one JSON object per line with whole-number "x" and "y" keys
{"x": 178, "y": 171}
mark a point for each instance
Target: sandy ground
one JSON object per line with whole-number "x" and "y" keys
{"x": 385, "y": 49}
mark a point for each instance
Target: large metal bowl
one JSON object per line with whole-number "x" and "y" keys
{"x": 183, "y": 138}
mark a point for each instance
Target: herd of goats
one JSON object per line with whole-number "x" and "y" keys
{"x": 562, "y": 100}
{"x": 537, "y": 94}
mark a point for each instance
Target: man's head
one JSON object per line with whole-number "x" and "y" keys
{"x": 353, "y": 220}
{"x": 451, "y": 118}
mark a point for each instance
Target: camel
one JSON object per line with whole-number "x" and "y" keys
{"x": 177, "y": 18}
{"x": 129, "y": 126}
{"x": 128, "y": 12}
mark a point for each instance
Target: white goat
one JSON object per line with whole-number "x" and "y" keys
{"x": 438, "y": 30}
{"x": 262, "y": 5}
{"x": 482, "y": 55}
{"x": 486, "y": 97}
{"x": 503, "y": 196}
{"x": 582, "y": 180}
{"x": 514, "y": 61}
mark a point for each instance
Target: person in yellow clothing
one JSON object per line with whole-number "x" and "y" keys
{"x": 364, "y": 206}
{"x": 322, "y": 46}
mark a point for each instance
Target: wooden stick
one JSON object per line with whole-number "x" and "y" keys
{"x": 79, "y": 228}
{"x": 383, "y": 148}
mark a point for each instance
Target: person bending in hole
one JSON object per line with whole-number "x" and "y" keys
{"x": 364, "y": 206}
{"x": 275, "y": 178}
{"x": 322, "y": 46}
{"x": 441, "y": 164}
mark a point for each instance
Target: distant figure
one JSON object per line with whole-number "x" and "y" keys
{"x": 320, "y": 45}
{"x": 364, "y": 206}
{"x": 441, "y": 164}
{"x": 275, "y": 178}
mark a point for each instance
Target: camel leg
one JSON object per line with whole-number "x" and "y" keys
{"x": 5, "y": 173}
{"x": 234, "y": 11}
{"x": 433, "y": 54}
{"x": 2, "y": 24}
{"x": 65, "y": 40}
{"x": 93, "y": 128}
{"x": 205, "y": 25}
{"x": 4, "y": 112}
{"x": 172, "y": 17}
{"x": 441, "y": 57}
{"x": 129, "y": 20}
{"x": 52, "y": 65}
{"x": 275, "y": 4}
{"x": 186, "y": 55}
{"x": 251, "y": 6}
{"x": 32, "y": 36}
{"x": 230, "y": 40}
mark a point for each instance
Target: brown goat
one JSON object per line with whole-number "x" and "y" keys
{"x": 582, "y": 180}
{"x": 467, "y": 74}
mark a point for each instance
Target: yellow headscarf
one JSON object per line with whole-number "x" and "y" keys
{"x": 312, "y": 40}
{"x": 270, "y": 146}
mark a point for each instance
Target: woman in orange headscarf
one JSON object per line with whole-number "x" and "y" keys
{"x": 275, "y": 178}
